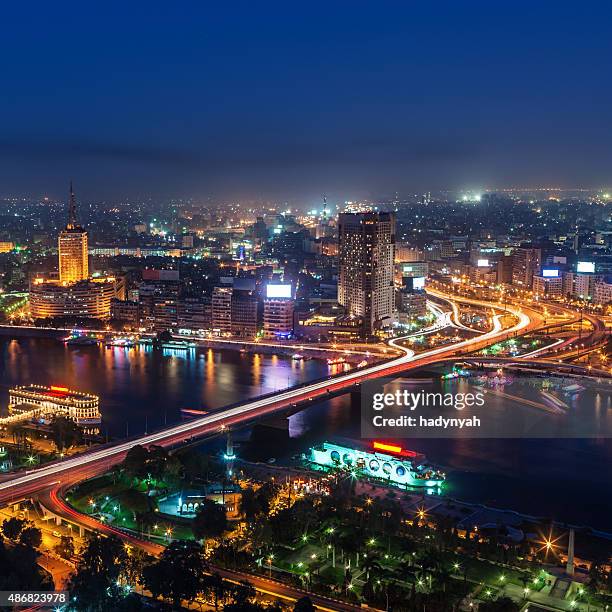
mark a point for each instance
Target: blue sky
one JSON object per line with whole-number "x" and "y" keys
{"x": 290, "y": 100}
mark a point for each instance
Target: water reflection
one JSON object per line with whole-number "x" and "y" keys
{"x": 140, "y": 384}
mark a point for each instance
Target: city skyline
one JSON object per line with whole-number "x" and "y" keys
{"x": 269, "y": 103}
{"x": 306, "y": 307}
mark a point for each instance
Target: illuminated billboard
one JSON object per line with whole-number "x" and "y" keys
{"x": 586, "y": 266}
{"x": 278, "y": 291}
{"x": 550, "y": 272}
{"x": 418, "y": 282}
{"x": 483, "y": 263}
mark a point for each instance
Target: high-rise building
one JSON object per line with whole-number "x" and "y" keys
{"x": 504, "y": 269}
{"x": 222, "y": 310}
{"x": 581, "y": 285}
{"x": 548, "y": 286}
{"x": 72, "y": 246}
{"x": 90, "y": 299}
{"x": 526, "y": 262}
{"x": 366, "y": 243}
{"x": 278, "y": 317}
{"x": 245, "y": 313}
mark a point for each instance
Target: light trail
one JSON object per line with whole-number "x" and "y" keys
{"x": 264, "y": 405}
{"x": 542, "y": 349}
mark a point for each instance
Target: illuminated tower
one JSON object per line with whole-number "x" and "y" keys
{"x": 366, "y": 243}
{"x": 72, "y": 246}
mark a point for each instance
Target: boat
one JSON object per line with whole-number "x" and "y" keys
{"x": 169, "y": 344}
{"x": 387, "y": 462}
{"x": 81, "y": 341}
{"x": 297, "y": 357}
{"x": 336, "y": 361}
{"x": 572, "y": 389}
{"x": 178, "y": 345}
{"x": 120, "y": 342}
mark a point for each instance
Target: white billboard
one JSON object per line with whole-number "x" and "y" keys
{"x": 483, "y": 263}
{"x": 550, "y": 272}
{"x": 418, "y": 282}
{"x": 586, "y": 266}
{"x": 278, "y": 291}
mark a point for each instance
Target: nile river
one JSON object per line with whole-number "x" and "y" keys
{"x": 569, "y": 480}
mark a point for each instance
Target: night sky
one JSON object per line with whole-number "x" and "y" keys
{"x": 289, "y": 100}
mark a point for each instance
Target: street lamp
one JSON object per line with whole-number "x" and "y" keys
{"x": 270, "y": 558}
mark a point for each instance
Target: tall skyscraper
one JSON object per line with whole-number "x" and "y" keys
{"x": 526, "y": 262}
{"x": 366, "y": 242}
{"x": 72, "y": 244}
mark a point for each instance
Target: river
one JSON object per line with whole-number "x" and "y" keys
{"x": 566, "y": 479}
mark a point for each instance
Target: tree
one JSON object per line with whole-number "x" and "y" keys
{"x": 19, "y": 570}
{"x": 65, "y": 547}
{"x": 136, "y": 501}
{"x": 12, "y": 527}
{"x": 249, "y": 506}
{"x": 172, "y": 472}
{"x": 97, "y": 579}
{"x": 31, "y": 536}
{"x": 242, "y": 594}
{"x": 210, "y": 520}
{"x": 304, "y": 605}
{"x": 178, "y": 574}
{"x": 135, "y": 563}
{"x": 135, "y": 461}
{"x": 65, "y": 432}
{"x": 216, "y": 587}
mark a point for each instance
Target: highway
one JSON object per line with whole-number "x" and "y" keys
{"x": 101, "y": 459}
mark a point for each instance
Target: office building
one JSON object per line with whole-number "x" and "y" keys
{"x": 366, "y": 243}
{"x": 278, "y": 317}
{"x": 245, "y": 314}
{"x": 548, "y": 287}
{"x": 89, "y": 299}
{"x": 526, "y": 262}
{"x": 222, "y": 310}
{"x": 72, "y": 247}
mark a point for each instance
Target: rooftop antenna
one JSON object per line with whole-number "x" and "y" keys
{"x": 72, "y": 220}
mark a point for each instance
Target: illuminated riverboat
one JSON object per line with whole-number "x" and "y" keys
{"x": 42, "y": 402}
{"x": 387, "y": 462}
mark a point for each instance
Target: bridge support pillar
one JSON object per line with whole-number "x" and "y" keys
{"x": 58, "y": 520}
{"x": 81, "y": 531}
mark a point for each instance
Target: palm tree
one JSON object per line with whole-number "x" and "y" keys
{"x": 370, "y": 564}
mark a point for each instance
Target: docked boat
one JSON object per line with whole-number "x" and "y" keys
{"x": 336, "y": 361}
{"x": 80, "y": 341}
{"x": 387, "y": 462}
{"x": 176, "y": 345}
{"x": 120, "y": 342}
{"x": 573, "y": 389}
{"x": 180, "y": 345}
